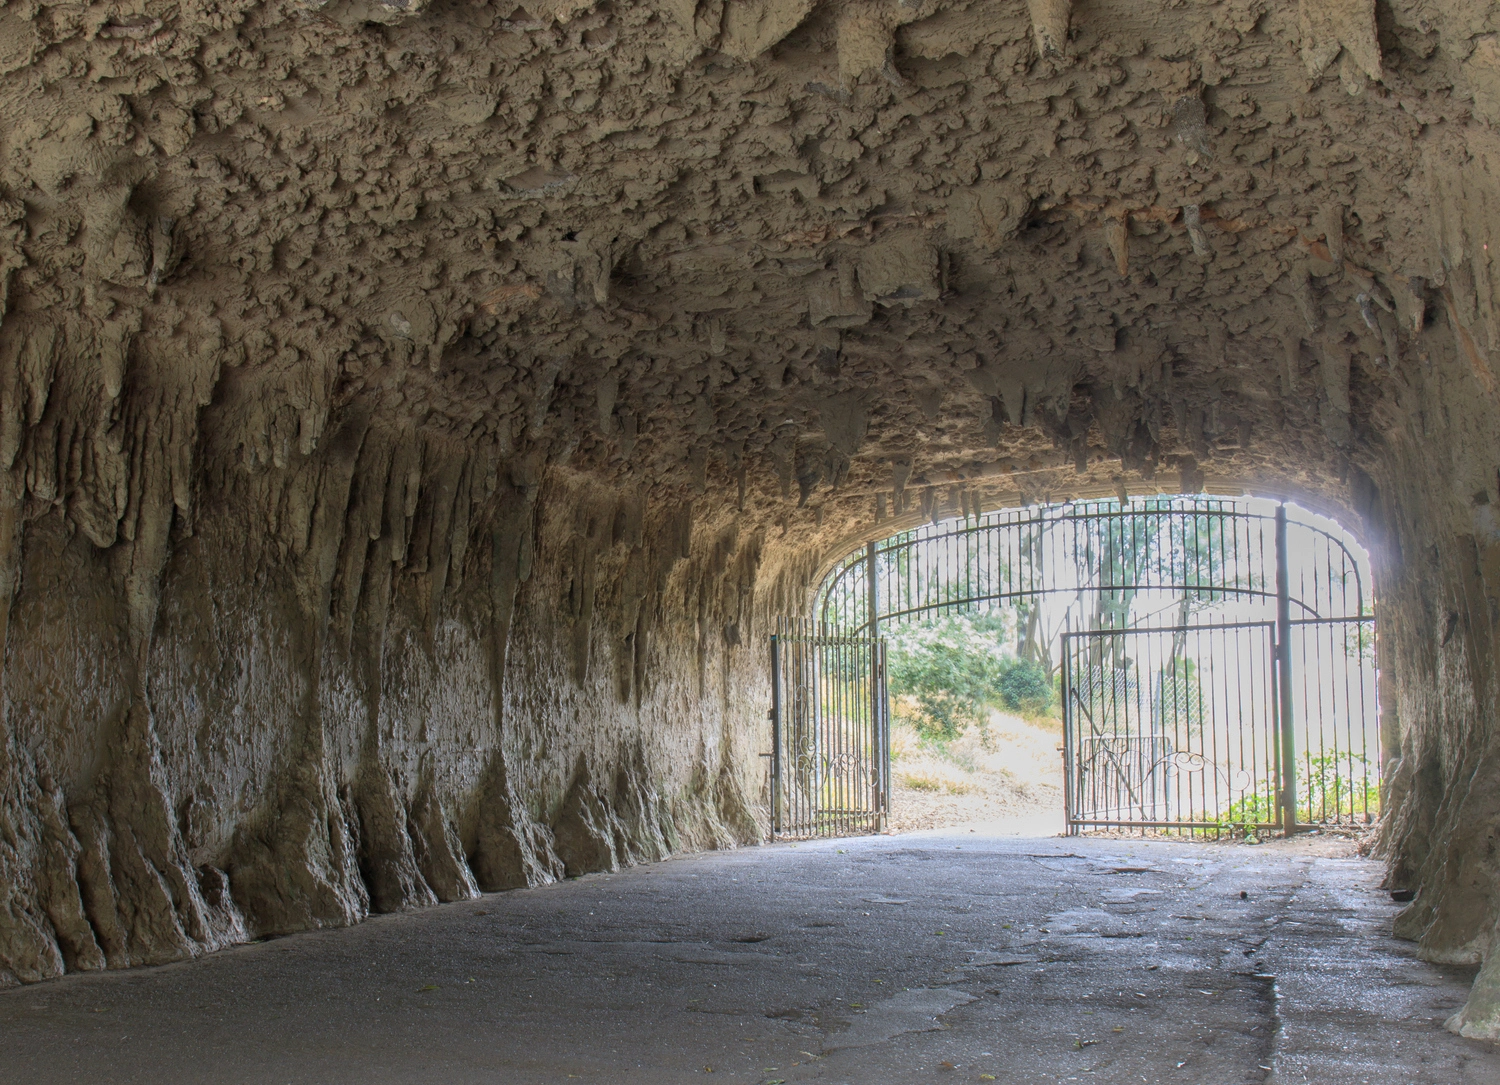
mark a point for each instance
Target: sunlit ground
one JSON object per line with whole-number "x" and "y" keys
{"x": 1009, "y": 772}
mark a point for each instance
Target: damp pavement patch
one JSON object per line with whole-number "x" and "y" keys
{"x": 910, "y": 1011}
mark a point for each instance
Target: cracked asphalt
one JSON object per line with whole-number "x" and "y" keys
{"x": 943, "y": 957}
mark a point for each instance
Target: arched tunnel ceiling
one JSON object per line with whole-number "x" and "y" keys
{"x": 691, "y": 234}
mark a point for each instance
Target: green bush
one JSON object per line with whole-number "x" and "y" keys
{"x": 949, "y": 667}
{"x": 955, "y": 669}
{"x": 1025, "y": 687}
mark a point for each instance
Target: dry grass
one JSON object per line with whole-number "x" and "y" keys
{"x": 1012, "y": 769}
{"x": 930, "y": 781}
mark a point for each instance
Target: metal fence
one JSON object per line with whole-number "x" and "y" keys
{"x": 830, "y": 733}
{"x": 1242, "y": 695}
{"x": 1183, "y": 727}
{"x": 1204, "y": 550}
{"x": 1336, "y": 720}
{"x": 1173, "y": 727}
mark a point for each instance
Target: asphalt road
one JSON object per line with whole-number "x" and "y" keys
{"x": 930, "y": 957}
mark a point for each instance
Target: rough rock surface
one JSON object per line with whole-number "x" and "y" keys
{"x": 412, "y": 413}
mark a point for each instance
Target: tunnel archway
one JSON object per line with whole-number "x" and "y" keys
{"x": 1214, "y": 657}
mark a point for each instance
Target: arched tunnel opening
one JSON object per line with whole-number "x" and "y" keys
{"x": 1208, "y": 664}
{"x": 417, "y": 418}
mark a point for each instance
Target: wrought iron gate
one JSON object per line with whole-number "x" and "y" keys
{"x": 830, "y": 771}
{"x": 1173, "y": 727}
{"x": 1186, "y": 727}
{"x": 1215, "y": 656}
{"x": 1264, "y": 725}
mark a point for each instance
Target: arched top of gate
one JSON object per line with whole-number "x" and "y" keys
{"x": 1207, "y": 546}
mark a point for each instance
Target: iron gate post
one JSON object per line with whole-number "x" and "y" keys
{"x": 1284, "y": 677}
{"x": 775, "y": 734}
{"x": 879, "y": 742}
{"x": 1070, "y": 753}
{"x": 877, "y": 687}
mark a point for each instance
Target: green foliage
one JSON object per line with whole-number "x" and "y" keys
{"x": 1025, "y": 687}
{"x": 1257, "y": 807}
{"x": 1341, "y": 786}
{"x": 956, "y": 668}
{"x": 949, "y": 668}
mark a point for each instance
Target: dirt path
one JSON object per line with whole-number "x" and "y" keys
{"x": 1013, "y": 772}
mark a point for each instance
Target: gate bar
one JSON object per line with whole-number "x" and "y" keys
{"x": 877, "y": 720}
{"x": 882, "y": 672}
{"x": 1070, "y": 741}
{"x": 1284, "y": 677}
{"x": 775, "y": 734}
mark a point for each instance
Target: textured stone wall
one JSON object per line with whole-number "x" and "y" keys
{"x": 368, "y": 683}
{"x": 412, "y": 415}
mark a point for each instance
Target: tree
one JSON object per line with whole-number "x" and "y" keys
{"x": 952, "y": 668}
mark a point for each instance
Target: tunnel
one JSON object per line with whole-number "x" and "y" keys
{"x": 416, "y": 416}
